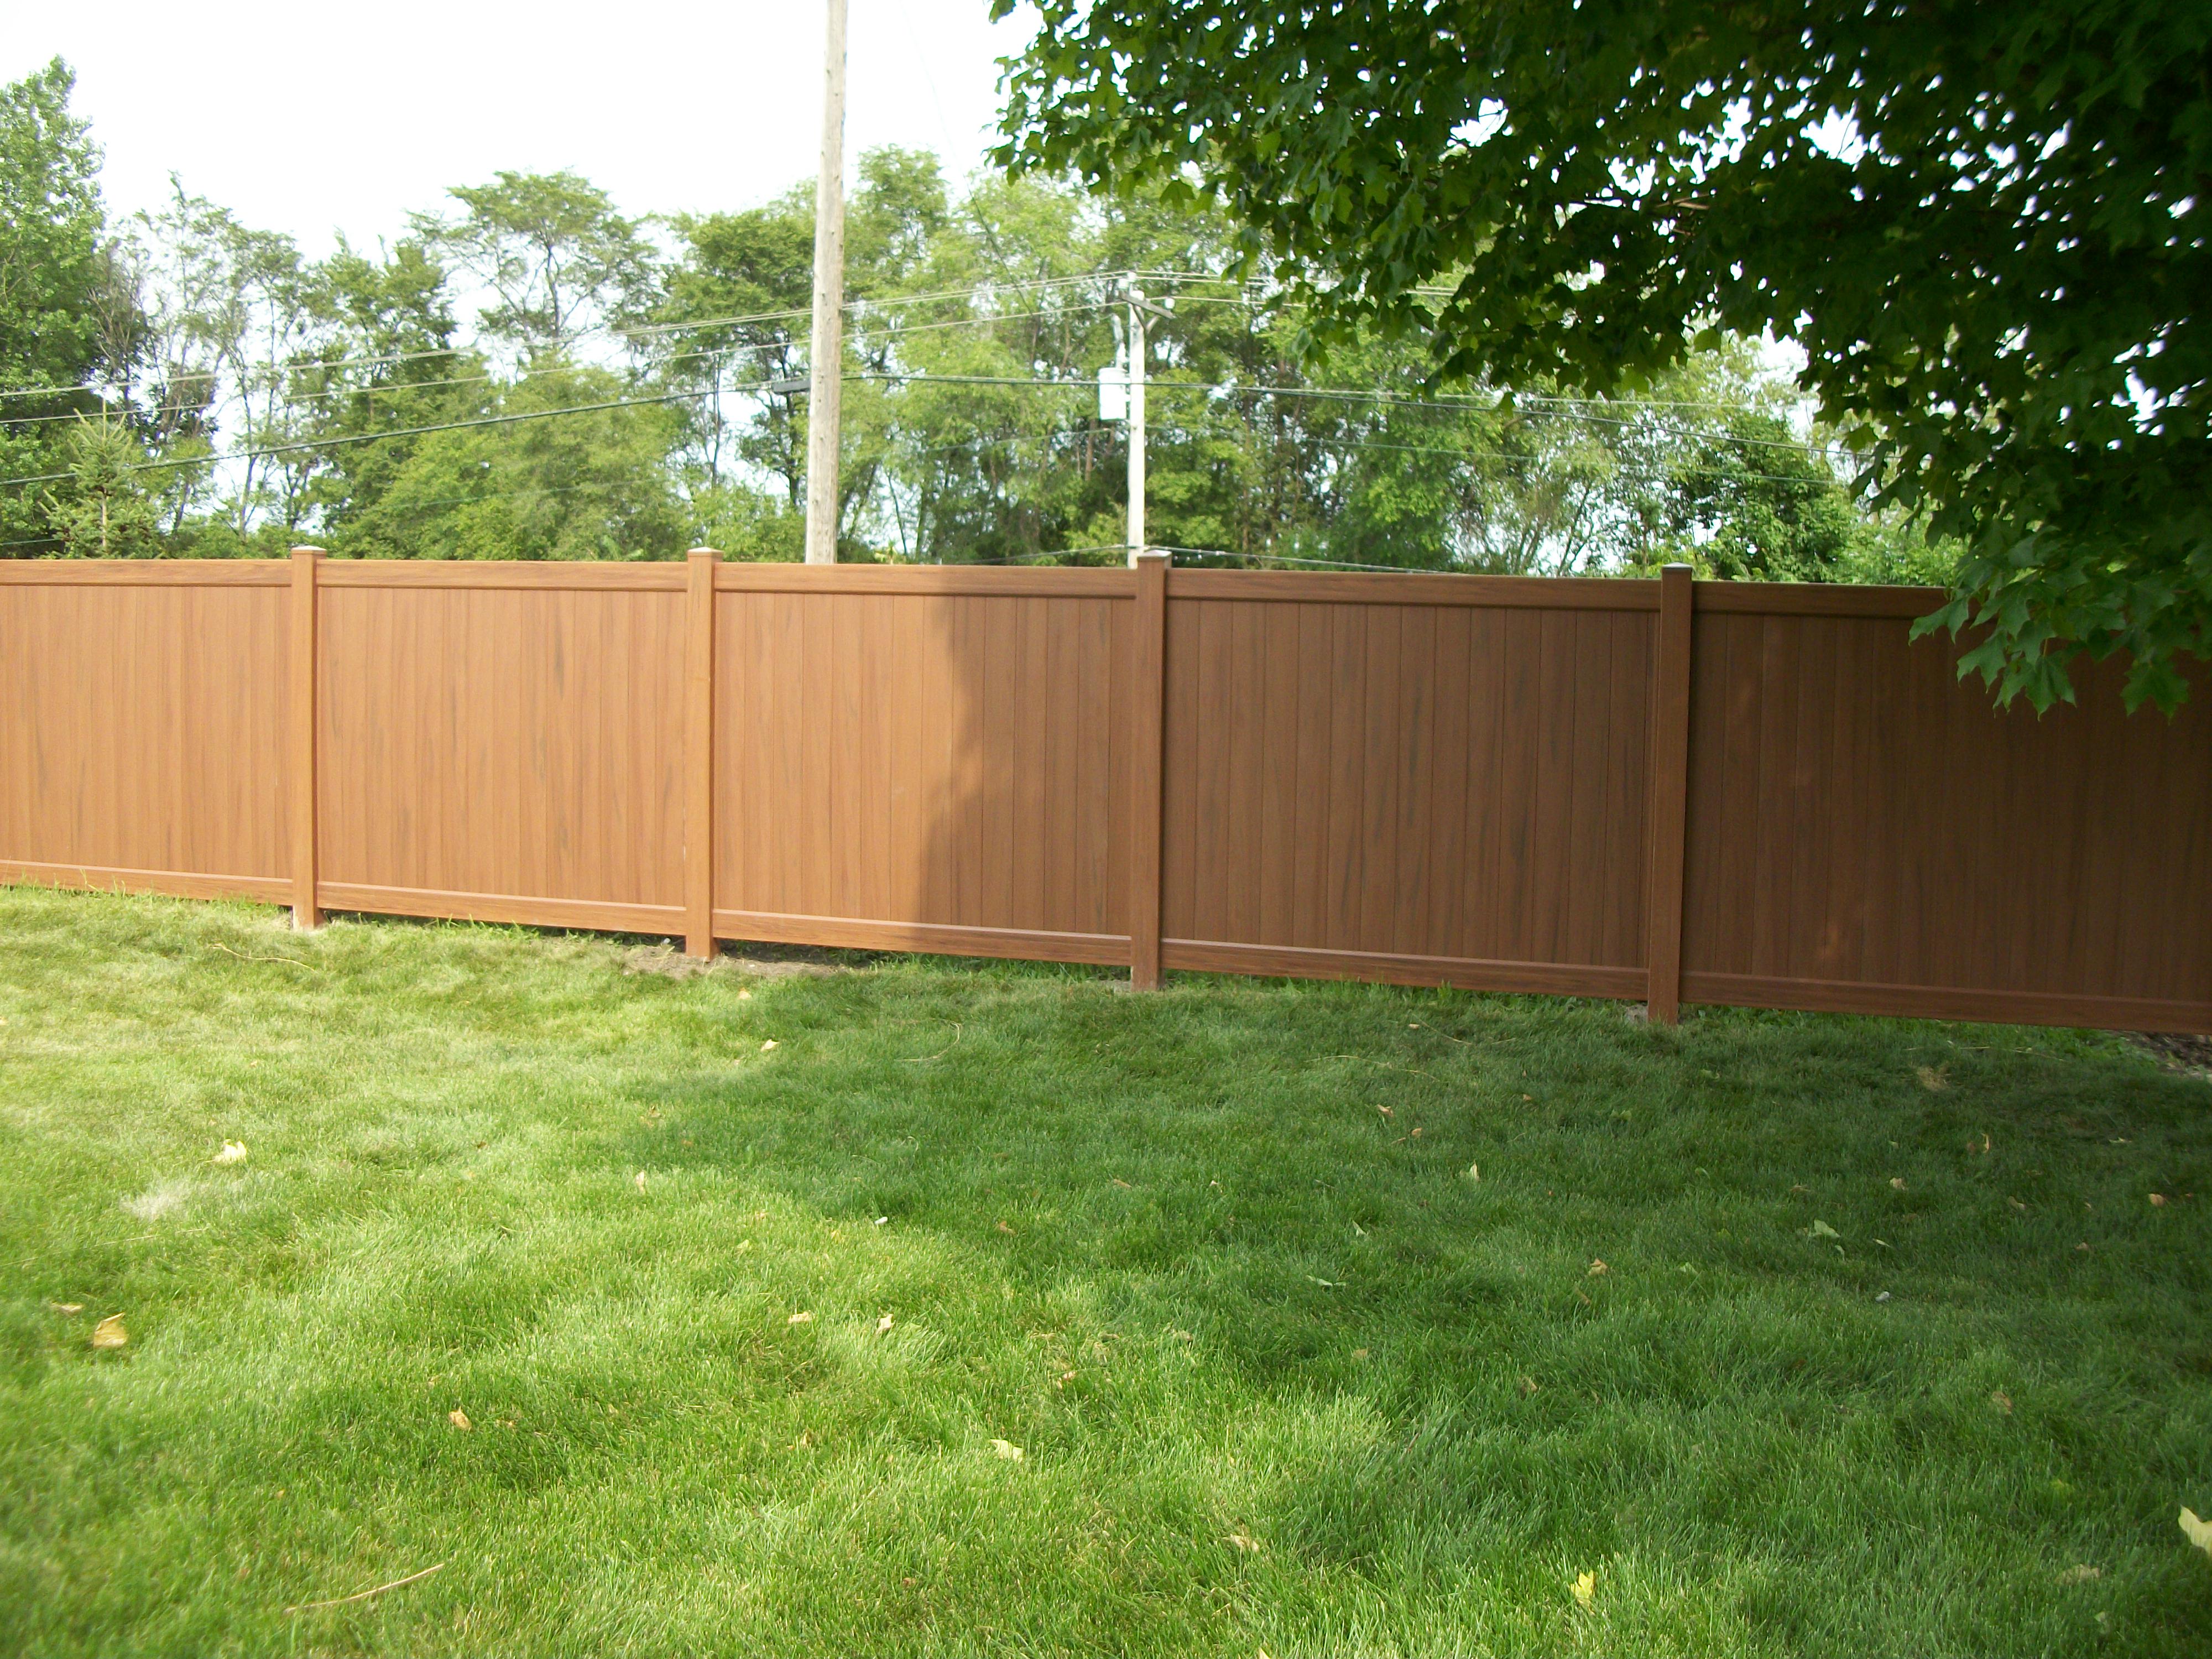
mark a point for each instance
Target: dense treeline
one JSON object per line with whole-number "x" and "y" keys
{"x": 530, "y": 373}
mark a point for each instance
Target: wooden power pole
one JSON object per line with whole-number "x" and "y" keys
{"x": 824, "y": 409}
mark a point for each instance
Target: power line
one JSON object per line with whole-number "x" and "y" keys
{"x": 898, "y": 330}
{"x": 377, "y": 437}
{"x": 637, "y": 331}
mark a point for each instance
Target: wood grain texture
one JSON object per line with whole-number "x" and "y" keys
{"x": 1670, "y": 792}
{"x": 148, "y": 573}
{"x": 699, "y": 756}
{"x": 300, "y": 734}
{"x": 533, "y": 908}
{"x": 1413, "y": 587}
{"x": 556, "y": 575}
{"x": 1817, "y": 599}
{"x": 1448, "y": 782}
{"x": 865, "y": 934}
{"x": 973, "y": 580}
{"x": 1387, "y": 968}
{"x": 274, "y": 889}
{"x": 1858, "y": 816}
{"x": 936, "y": 758}
{"x": 504, "y": 741}
{"x": 1148, "y": 646}
{"x": 143, "y": 725}
{"x": 1423, "y": 779}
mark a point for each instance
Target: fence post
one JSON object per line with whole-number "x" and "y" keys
{"x": 307, "y": 563}
{"x": 1147, "y": 736}
{"x": 1670, "y": 794}
{"x": 699, "y": 752}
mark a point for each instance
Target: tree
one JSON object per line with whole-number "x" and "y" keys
{"x": 102, "y": 512}
{"x": 583, "y": 486}
{"x": 58, "y": 287}
{"x": 558, "y": 259}
{"x": 732, "y": 318}
{"x": 392, "y": 367}
{"x": 1983, "y": 225}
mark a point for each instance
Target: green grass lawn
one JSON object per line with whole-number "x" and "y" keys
{"x": 748, "y": 1288}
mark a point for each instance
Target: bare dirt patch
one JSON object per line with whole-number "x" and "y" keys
{"x": 795, "y": 962}
{"x": 2191, "y": 1055}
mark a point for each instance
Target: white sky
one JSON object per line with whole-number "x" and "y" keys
{"x": 311, "y": 118}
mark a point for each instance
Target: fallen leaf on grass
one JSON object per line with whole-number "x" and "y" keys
{"x": 1529, "y": 1386}
{"x": 109, "y": 1333}
{"x": 1475, "y": 1172}
{"x": 67, "y": 1307}
{"x": 1003, "y": 1228}
{"x": 1934, "y": 1078}
{"x": 1596, "y": 1268}
{"x": 1586, "y": 1588}
{"x": 1897, "y": 1183}
{"x": 640, "y": 1181}
{"x": 2002, "y": 1401}
{"x": 1008, "y": 1449}
{"x": 1980, "y": 1151}
{"x": 2198, "y": 1533}
{"x": 1249, "y": 1546}
{"x": 1124, "y": 1185}
{"x": 233, "y": 1151}
{"x": 767, "y": 1045}
{"x": 2083, "y": 1574}
{"x": 460, "y": 1418}
{"x": 1821, "y": 1230}
{"x": 1386, "y": 1111}
{"x": 2158, "y": 1200}
{"x": 883, "y": 1325}
{"x": 800, "y": 1319}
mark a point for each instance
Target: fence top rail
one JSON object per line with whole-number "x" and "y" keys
{"x": 1415, "y": 587}
{"x": 145, "y": 573}
{"x": 1419, "y": 587}
{"x": 1817, "y": 599}
{"x": 662, "y": 576}
{"x": 1081, "y": 582}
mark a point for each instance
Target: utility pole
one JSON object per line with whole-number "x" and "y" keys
{"x": 1136, "y": 423}
{"x": 824, "y": 404}
{"x": 1122, "y": 397}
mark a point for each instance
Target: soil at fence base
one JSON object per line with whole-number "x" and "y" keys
{"x": 760, "y": 962}
{"x": 2192, "y": 1054}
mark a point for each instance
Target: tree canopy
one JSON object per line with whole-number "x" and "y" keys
{"x": 1983, "y": 225}
{"x": 530, "y": 373}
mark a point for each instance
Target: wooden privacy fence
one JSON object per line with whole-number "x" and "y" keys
{"x": 1754, "y": 794}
